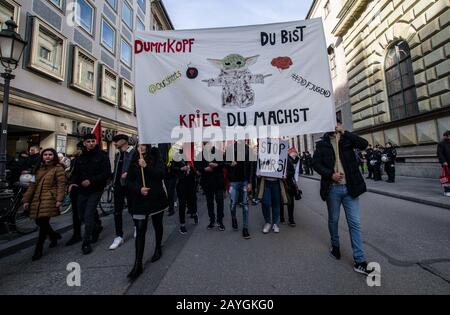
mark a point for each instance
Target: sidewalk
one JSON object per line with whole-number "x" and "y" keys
{"x": 426, "y": 191}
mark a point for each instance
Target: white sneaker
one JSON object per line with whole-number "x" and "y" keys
{"x": 134, "y": 235}
{"x": 117, "y": 242}
{"x": 276, "y": 228}
{"x": 266, "y": 228}
{"x": 447, "y": 194}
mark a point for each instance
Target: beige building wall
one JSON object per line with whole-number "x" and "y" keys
{"x": 368, "y": 29}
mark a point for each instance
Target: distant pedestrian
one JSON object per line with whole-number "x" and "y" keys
{"x": 376, "y": 163}
{"x": 44, "y": 196}
{"x": 369, "y": 158}
{"x": 443, "y": 153}
{"x": 388, "y": 158}
{"x": 145, "y": 187}
{"x": 342, "y": 183}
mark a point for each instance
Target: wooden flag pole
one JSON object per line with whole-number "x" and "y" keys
{"x": 142, "y": 170}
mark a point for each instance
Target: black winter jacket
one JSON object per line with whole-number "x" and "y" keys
{"x": 243, "y": 170}
{"x": 443, "y": 151}
{"x": 324, "y": 161}
{"x": 154, "y": 173}
{"x": 211, "y": 181}
{"x": 93, "y": 166}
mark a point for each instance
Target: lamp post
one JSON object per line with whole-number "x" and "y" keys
{"x": 11, "y": 49}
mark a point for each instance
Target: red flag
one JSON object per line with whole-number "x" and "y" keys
{"x": 97, "y": 131}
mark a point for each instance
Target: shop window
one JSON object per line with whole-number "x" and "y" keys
{"x": 48, "y": 50}
{"x": 84, "y": 71}
{"x": 400, "y": 84}
{"x": 8, "y": 9}
{"x": 127, "y": 96}
{"x": 109, "y": 83}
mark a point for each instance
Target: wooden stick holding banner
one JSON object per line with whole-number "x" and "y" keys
{"x": 142, "y": 169}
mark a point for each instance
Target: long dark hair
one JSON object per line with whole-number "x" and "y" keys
{"x": 41, "y": 163}
{"x": 151, "y": 156}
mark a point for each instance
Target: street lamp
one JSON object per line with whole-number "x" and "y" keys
{"x": 11, "y": 49}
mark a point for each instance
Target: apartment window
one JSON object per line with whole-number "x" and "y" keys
{"x": 109, "y": 83}
{"x": 125, "y": 53}
{"x": 332, "y": 61}
{"x": 156, "y": 24}
{"x": 326, "y": 8}
{"x": 85, "y": 15}
{"x": 127, "y": 14}
{"x": 57, "y": 3}
{"x": 140, "y": 25}
{"x": 83, "y": 71}
{"x": 141, "y": 4}
{"x": 112, "y": 3}
{"x": 108, "y": 36}
{"x": 127, "y": 96}
{"x": 8, "y": 9}
{"x": 48, "y": 50}
{"x": 400, "y": 84}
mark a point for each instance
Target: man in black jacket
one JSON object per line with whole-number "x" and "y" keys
{"x": 240, "y": 173}
{"x": 211, "y": 170}
{"x": 342, "y": 183}
{"x": 91, "y": 173}
{"x": 369, "y": 157}
{"x": 122, "y": 163}
{"x": 443, "y": 153}
{"x": 388, "y": 157}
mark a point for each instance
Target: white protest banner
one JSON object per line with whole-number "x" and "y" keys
{"x": 272, "y": 158}
{"x": 233, "y": 83}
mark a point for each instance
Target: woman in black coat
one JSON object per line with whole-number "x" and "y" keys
{"x": 148, "y": 200}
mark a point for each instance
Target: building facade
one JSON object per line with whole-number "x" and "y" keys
{"x": 78, "y": 67}
{"x": 397, "y": 58}
{"x": 327, "y": 10}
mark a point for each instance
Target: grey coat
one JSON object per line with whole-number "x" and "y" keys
{"x": 128, "y": 157}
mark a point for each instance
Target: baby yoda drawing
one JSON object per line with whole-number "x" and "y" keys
{"x": 235, "y": 80}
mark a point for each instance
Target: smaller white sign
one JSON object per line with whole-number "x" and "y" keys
{"x": 272, "y": 158}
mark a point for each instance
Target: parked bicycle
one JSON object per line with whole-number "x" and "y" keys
{"x": 12, "y": 214}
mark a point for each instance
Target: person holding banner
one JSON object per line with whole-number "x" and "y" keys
{"x": 211, "y": 169}
{"x": 342, "y": 183}
{"x": 145, "y": 186}
{"x": 443, "y": 153}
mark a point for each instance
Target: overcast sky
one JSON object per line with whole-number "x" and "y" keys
{"x": 192, "y": 14}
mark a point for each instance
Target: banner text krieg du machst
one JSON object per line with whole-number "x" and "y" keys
{"x": 273, "y": 75}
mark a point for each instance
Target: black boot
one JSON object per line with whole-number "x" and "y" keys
{"x": 141, "y": 229}
{"x": 54, "y": 237}
{"x": 73, "y": 240}
{"x": 43, "y": 224}
{"x": 37, "y": 253}
{"x": 157, "y": 255}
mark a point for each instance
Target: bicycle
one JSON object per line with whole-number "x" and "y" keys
{"x": 106, "y": 204}
{"x": 66, "y": 205}
{"x": 12, "y": 214}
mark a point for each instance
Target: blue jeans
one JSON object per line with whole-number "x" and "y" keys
{"x": 236, "y": 189}
{"x": 339, "y": 195}
{"x": 271, "y": 199}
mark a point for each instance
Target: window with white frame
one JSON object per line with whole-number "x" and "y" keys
{"x": 127, "y": 14}
{"x": 141, "y": 4}
{"x": 112, "y": 3}
{"x": 84, "y": 71}
{"x": 108, "y": 36}
{"x": 109, "y": 83}
{"x": 85, "y": 12}
{"x": 140, "y": 25}
{"x": 126, "y": 53}
{"x": 48, "y": 50}
{"x": 326, "y": 8}
{"x": 127, "y": 96}
{"x": 332, "y": 61}
{"x": 57, "y": 3}
{"x": 8, "y": 9}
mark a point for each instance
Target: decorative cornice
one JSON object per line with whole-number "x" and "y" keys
{"x": 349, "y": 13}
